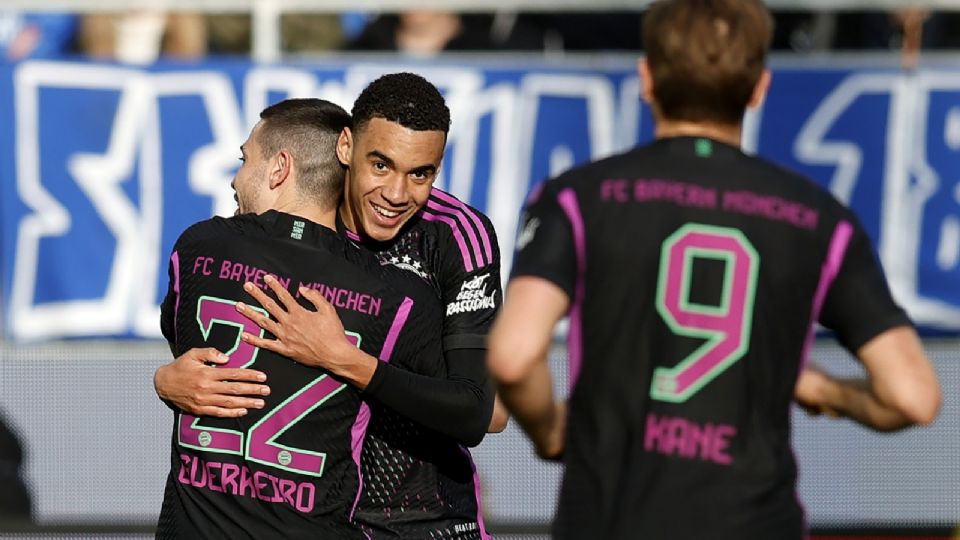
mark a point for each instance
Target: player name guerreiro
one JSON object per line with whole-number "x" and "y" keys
{"x": 696, "y": 196}
{"x": 239, "y": 480}
{"x": 237, "y": 271}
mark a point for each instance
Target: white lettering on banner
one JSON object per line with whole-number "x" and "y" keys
{"x": 507, "y": 114}
{"x": 50, "y": 219}
{"x": 209, "y": 172}
{"x": 909, "y": 181}
{"x": 127, "y": 304}
{"x": 602, "y": 123}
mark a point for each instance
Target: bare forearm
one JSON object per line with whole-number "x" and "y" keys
{"x": 531, "y": 401}
{"x": 855, "y": 399}
{"x": 352, "y": 365}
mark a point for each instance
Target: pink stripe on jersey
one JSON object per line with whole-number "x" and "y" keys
{"x": 353, "y": 236}
{"x": 175, "y": 263}
{"x": 359, "y": 430}
{"x": 465, "y": 225}
{"x": 568, "y": 201}
{"x": 534, "y": 195}
{"x": 484, "y": 535}
{"x": 357, "y": 435}
{"x": 429, "y": 216}
{"x": 398, "y": 321}
{"x": 487, "y": 244}
{"x": 828, "y": 273}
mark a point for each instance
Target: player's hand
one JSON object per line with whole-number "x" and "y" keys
{"x": 195, "y": 387}
{"x": 312, "y": 338}
{"x": 551, "y": 446}
{"x": 811, "y": 391}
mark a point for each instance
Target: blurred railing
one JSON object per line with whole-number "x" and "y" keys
{"x": 266, "y": 13}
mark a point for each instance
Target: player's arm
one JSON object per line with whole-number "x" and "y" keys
{"x": 458, "y": 406}
{"x": 192, "y": 383}
{"x": 900, "y": 389}
{"x": 466, "y": 328}
{"x": 519, "y": 344}
{"x": 538, "y": 295}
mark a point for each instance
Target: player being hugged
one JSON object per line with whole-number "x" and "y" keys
{"x": 418, "y": 477}
{"x": 289, "y": 466}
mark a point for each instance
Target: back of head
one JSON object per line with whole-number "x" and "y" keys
{"x": 706, "y": 56}
{"x": 308, "y": 128}
{"x": 403, "y": 98}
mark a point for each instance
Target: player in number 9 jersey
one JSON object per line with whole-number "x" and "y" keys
{"x": 693, "y": 274}
{"x": 291, "y": 468}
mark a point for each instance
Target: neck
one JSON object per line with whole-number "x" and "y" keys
{"x": 313, "y": 212}
{"x": 347, "y": 215}
{"x": 727, "y": 133}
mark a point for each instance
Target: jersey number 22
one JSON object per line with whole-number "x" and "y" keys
{"x": 259, "y": 442}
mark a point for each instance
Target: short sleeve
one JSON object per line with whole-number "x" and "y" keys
{"x": 470, "y": 283}
{"x": 858, "y": 305}
{"x": 170, "y": 304}
{"x": 545, "y": 246}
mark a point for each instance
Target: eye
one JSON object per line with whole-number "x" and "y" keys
{"x": 421, "y": 176}
{"x": 379, "y": 166}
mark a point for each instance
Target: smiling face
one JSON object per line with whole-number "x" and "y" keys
{"x": 391, "y": 173}
{"x": 251, "y": 180}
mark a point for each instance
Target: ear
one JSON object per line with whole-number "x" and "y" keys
{"x": 760, "y": 90}
{"x": 345, "y": 147}
{"x": 281, "y": 168}
{"x": 646, "y": 80}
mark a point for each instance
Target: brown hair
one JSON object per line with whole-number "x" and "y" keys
{"x": 706, "y": 56}
{"x": 308, "y": 128}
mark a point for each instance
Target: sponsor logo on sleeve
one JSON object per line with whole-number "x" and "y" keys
{"x": 527, "y": 233}
{"x": 472, "y": 297}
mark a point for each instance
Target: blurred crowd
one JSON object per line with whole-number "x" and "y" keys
{"x": 142, "y": 36}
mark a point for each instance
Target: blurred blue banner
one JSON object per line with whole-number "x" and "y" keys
{"x": 102, "y": 166}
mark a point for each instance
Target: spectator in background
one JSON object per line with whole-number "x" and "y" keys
{"x": 301, "y": 33}
{"x": 36, "y": 35}
{"x": 429, "y": 32}
{"x": 143, "y": 35}
{"x": 15, "y": 505}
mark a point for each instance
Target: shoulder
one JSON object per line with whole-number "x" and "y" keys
{"x": 213, "y": 229}
{"x": 441, "y": 203}
{"x": 461, "y": 229}
{"x": 586, "y": 175}
{"x": 792, "y": 184}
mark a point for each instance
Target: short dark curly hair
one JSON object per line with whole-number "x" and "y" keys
{"x": 404, "y": 98}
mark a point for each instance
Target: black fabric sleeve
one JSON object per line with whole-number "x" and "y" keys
{"x": 545, "y": 245}
{"x": 471, "y": 296}
{"x": 169, "y": 304}
{"x": 459, "y": 406}
{"x": 858, "y": 305}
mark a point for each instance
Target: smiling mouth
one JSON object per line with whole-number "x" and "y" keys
{"x": 385, "y": 212}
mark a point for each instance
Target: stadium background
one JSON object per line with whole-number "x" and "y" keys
{"x": 103, "y": 164}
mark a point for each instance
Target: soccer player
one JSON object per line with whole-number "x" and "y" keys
{"x": 692, "y": 274}
{"x": 15, "y": 503}
{"x": 289, "y": 469}
{"x": 419, "y": 478}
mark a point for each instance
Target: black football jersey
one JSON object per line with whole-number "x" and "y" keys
{"x": 695, "y": 274}
{"x": 291, "y": 469}
{"x": 419, "y": 483}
